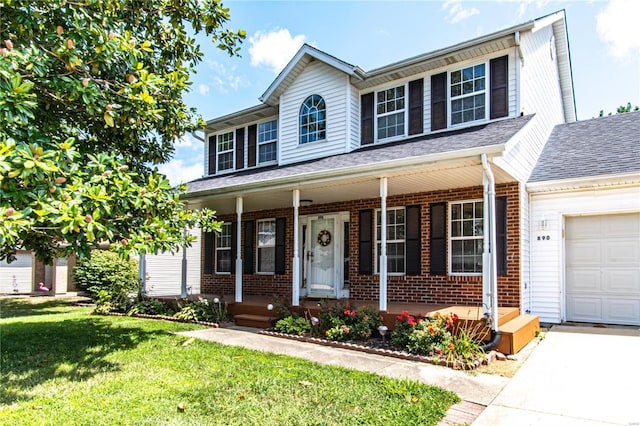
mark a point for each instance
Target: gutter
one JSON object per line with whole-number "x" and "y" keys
{"x": 587, "y": 182}
{"x": 363, "y": 171}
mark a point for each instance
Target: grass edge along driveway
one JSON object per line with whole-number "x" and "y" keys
{"x": 61, "y": 365}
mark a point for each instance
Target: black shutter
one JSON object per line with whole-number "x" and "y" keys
{"x": 366, "y": 119}
{"x": 281, "y": 237}
{"x": 413, "y": 246}
{"x": 234, "y": 246}
{"x": 212, "y": 155}
{"x": 365, "y": 243}
{"x": 416, "y": 106}
{"x": 499, "y": 91}
{"x": 208, "y": 253}
{"x": 252, "y": 145}
{"x": 240, "y": 148}
{"x": 438, "y": 239}
{"x": 247, "y": 260}
{"x": 501, "y": 235}
{"x": 439, "y": 101}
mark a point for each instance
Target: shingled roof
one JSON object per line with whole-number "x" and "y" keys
{"x": 490, "y": 134}
{"x": 601, "y": 146}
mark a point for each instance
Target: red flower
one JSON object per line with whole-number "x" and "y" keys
{"x": 347, "y": 312}
{"x": 451, "y": 346}
{"x": 353, "y": 313}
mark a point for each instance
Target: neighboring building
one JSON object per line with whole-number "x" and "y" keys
{"x": 311, "y": 172}
{"x": 585, "y": 223}
{"x": 23, "y": 275}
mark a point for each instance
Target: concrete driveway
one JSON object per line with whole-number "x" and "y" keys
{"x": 577, "y": 375}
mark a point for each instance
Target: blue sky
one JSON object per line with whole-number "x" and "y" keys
{"x": 603, "y": 37}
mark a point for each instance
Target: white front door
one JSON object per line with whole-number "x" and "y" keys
{"x": 322, "y": 272}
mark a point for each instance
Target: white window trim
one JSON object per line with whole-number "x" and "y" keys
{"x": 266, "y": 163}
{"x": 487, "y": 98}
{"x": 225, "y": 248}
{"x": 258, "y": 247}
{"x": 450, "y": 239}
{"x": 232, "y": 150}
{"x": 376, "y": 241}
{"x": 326, "y": 119}
{"x": 376, "y": 115}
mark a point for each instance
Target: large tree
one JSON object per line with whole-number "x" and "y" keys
{"x": 91, "y": 100}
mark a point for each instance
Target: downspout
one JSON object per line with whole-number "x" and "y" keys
{"x": 183, "y": 281}
{"x": 489, "y": 266}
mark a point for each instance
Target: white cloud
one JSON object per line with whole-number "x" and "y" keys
{"x": 457, "y": 12}
{"x": 274, "y": 49}
{"x": 224, "y": 78}
{"x": 187, "y": 141}
{"x": 616, "y": 25}
{"x": 177, "y": 171}
{"x": 203, "y": 89}
{"x": 523, "y": 5}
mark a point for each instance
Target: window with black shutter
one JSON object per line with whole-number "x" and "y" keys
{"x": 439, "y": 101}
{"x": 365, "y": 242}
{"x": 416, "y": 107}
{"x": 366, "y": 119}
{"x": 438, "y": 239}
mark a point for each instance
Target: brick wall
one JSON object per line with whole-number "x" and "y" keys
{"x": 424, "y": 288}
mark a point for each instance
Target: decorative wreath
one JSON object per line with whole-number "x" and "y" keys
{"x": 324, "y": 238}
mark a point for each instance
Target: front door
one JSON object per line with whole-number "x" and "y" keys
{"x": 321, "y": 256}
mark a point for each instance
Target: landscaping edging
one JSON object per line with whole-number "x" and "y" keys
{"x": 162, "y": 317}
{"x": 456, "y": 365}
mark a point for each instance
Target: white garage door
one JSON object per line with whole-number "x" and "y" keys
{"x": 15, "y": 277}
{"x": 602, "y": 261}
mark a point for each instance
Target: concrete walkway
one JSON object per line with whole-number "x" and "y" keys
{"x": 577, "y": 375}
{"x": 476, "y": 388}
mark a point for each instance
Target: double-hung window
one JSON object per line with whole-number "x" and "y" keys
{"x": 223, "y": 249}
{"x": 225, "y": 151}
{"x": 266, "y": 246}
{"x": 396, "y": 227}
{"x": 313, "y": 119}
{"x": 468, "y": 94}
{"x": 466, "y": 241}
{"x": 267, "y": 141}
{"x": 390, "y": 112}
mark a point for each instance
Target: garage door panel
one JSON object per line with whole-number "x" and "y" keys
{"x": 584, "y": 253}
{"x": 584, "y": 308}
{"x": 623, "y": 252}
{"x": 622, "y": 311}
{"x": 584, "y": 279}
{"x": 602, "y": 268}
{"x": 621, "y": 281}
{"x": 17, "y": 274}
{"x": 586, "y": 227}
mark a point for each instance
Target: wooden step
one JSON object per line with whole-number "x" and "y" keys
{"x": 517, "y": 333}
{"x": 257, "y": 321}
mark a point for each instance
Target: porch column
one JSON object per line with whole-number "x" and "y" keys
{"x": 239, "y": 250}
{"x": 489, "y": 260}
{"x": 183, "y": 269}
{"x": 383, "y": 244}
{"x": 295, "y": 298}
{"x": 142, "y": 272}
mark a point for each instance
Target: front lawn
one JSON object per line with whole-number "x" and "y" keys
{"x": 68, "y": 367}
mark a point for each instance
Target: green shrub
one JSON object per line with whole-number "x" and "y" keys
{"x": 466, "y": 344}
{"x": 345, "y": 322}
{"x": 150, "y": 307}
{"x": 432, "y": 336}
{"x": 293, "y": 325}
{"x": 405, "y": 324}
{"x": 109, "y": 279}
{"x": 202, "y": 309}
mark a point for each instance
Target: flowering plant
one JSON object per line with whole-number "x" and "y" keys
{"x": 433, "y": 335}
{"x": 347, "y": 322}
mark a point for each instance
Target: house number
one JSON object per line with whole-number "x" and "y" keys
{"x": 544, "y": 237}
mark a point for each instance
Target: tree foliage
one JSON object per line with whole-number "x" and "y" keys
{"x": 90, "y": 103}
{"x": 622, "y": 109}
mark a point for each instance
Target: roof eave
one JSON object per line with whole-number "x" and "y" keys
{"x": 375, "y": 169}
{"x": 616, "y": 179}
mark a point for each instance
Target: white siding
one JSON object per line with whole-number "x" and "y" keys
{"x": 540, "y": 94}
{"x": 18, "y": 272}
{"x": 547, "y": 264}
{"x": 323, "y": 80}
{"x": 355, "y": 118}
{"x": 164, "y": 271}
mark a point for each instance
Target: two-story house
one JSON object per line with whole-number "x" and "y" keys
{"x": 405, "y": 183}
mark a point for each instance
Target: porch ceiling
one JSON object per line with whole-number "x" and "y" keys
{"x": 457, "y": 175}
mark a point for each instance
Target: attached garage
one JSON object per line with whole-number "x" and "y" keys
{"x": 17, "y": 276}
{"x": 584, "y": 224}
{"x": 602, "y": 268}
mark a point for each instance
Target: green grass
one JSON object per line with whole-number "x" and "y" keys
{"x": 72, "y": 368}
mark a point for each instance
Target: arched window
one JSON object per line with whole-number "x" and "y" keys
{"x": 313, "y": 119}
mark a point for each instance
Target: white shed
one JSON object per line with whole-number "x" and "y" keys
{"x": 585, "y": 223}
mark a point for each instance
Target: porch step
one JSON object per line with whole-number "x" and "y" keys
{"x": 517, "y": 333}
{"x": 257, "y": 321}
